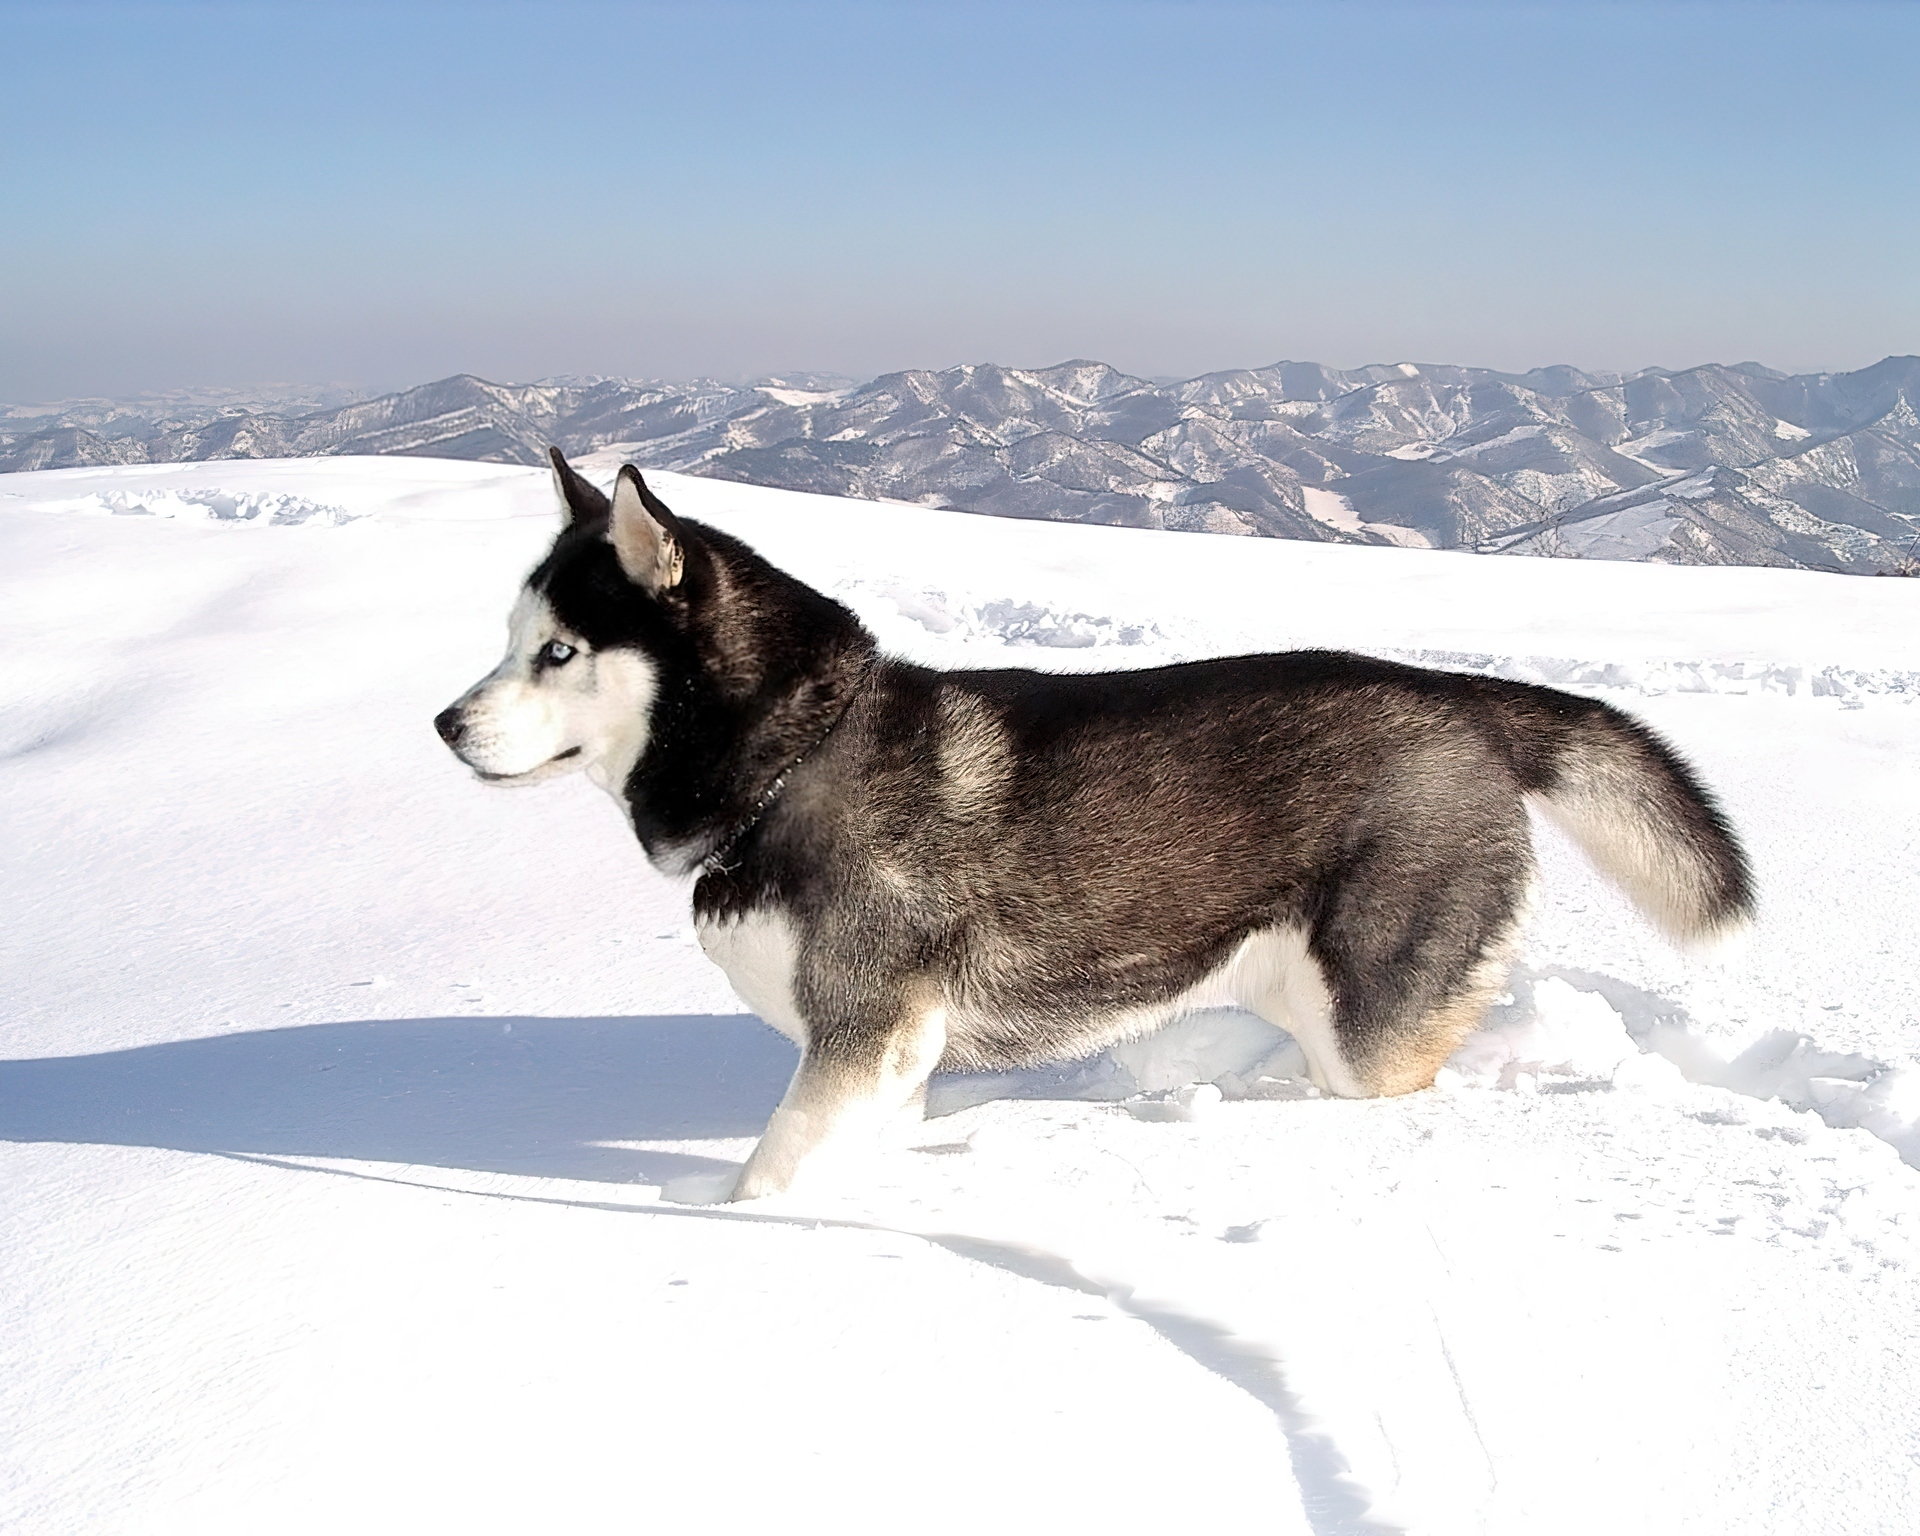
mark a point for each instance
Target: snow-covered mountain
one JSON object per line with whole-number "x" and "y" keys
{"x": 1712, "y": 465}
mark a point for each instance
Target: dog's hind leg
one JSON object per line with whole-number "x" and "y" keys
{"x": 849, "y": 1086}
{"x": 1402, "y": 1042}
{"x": 1407, "y": 1059}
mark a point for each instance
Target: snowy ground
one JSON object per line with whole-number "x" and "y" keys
{"x": 338, "y": 1094}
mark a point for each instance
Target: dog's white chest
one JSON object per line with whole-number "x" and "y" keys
{"x": 757, "y": 953}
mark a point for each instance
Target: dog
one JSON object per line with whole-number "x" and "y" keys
{"x": 908, "y": 870}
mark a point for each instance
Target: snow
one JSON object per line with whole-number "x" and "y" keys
{"x": 1336, "y": 511}
{"x": 1632, "y": 533}
{"x": 1637, "y": 448}
{"x": 1520, "y": 434}
{"x": 340, "y": 1096}
{"x": 800, "y": 396}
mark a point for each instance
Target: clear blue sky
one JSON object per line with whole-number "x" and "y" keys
{"x": 230, "y": 194}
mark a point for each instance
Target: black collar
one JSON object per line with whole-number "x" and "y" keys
{"x": 720, "y": 861}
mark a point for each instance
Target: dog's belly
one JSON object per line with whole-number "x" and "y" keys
{"x": 1271, "y": 974}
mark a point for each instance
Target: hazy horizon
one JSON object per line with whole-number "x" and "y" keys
{"x": 211, "y": 197}
{"x": 264, "y": 391}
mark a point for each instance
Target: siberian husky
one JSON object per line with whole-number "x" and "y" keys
{"x": 907, "y": 870}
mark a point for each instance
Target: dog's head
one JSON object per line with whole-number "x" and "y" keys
{"x": 667, "y": 659}
{"x": 586, "y": 642}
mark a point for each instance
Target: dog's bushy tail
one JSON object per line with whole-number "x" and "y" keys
{"x": 1634, "y": 807}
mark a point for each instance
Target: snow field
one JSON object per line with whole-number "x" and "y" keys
{"x": 340, "y": 1096}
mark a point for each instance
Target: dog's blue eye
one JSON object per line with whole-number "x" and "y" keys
{"x": 554, "y": 652}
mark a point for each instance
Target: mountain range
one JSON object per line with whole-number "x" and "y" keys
{"x": 1713, "y": 465}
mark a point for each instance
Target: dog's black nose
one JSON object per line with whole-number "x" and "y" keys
{"x": 449, "y": 724}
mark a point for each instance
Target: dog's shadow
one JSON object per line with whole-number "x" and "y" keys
{"x": 554, "y": 1098}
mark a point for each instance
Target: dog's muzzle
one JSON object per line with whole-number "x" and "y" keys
{"x": 451, "y": 725}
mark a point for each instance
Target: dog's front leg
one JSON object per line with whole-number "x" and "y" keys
{"x": 850, "y": 1084}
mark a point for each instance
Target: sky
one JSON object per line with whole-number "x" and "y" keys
{"x": 226, "y": 195}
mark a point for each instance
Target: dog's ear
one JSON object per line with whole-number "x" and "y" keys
{"x": 578, "y": 499}
{"x": 646, "y": 536}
